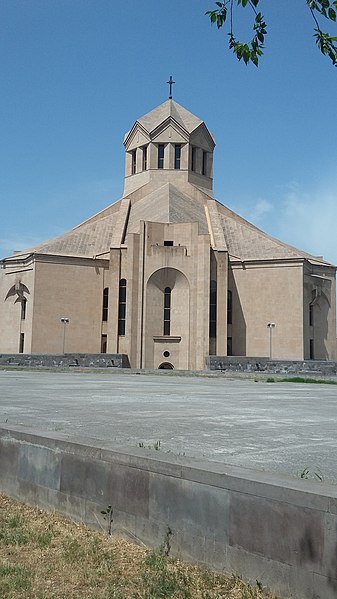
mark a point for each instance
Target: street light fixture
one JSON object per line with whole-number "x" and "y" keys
{"x": 271, "y": 326}
{"x": 65, "y": 321}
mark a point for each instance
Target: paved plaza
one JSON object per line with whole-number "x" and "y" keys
{"x": 276, "y": 427}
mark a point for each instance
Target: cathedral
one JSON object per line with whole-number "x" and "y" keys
{"x": 167, "y": 275}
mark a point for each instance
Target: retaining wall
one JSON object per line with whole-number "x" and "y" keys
{"x": 280, "y": 532}
{"x": 286, "y": 367}
{"x": 65, "y": 360}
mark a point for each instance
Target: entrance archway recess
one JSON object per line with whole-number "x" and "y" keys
{"x": 166, "y": 366}
{"x": 155, "y": 340}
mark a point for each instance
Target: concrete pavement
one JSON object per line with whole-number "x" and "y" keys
{"x": 278, "y": 427}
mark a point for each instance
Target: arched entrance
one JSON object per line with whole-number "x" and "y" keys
{"x": 167, "y": 320}
{"x": 166, "y": 366}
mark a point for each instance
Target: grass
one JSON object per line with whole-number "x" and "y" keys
{"x": 301, "y": 379}
{"x": 44, "y": 556}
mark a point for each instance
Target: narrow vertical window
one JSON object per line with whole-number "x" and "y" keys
{"x": 144, "y": 158}
{"x": 105, "y": 307}
{"x": 229, "y": 307}
{"x": 177, "y": 156}
{"x": 22, "y": 343}
{"x": 212, "y": 309}
{"x": 204, "y": 163}
{"x": 229, "y": 346}
{"x": 161, "y": 149}
{"x": 193, "y": 158}
{"x": 122, "y": 307}
{"x": 311, "y": 349}
{"x": 133, "y": 161}
{"x": 23, "y": 308}
{"x": 167, "y": 311}
{"x": 104, "y": 342}
{"x": 311, "y": 315}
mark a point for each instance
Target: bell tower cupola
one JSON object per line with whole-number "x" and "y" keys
{"x": 168, "y": 144}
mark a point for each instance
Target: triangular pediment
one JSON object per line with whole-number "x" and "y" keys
{"x": 138, "y": 136}
{"x": 170, "y": 131}
{"x": 202, "y": 138}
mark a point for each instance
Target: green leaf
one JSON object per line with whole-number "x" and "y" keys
{"x": 332, "y": 14}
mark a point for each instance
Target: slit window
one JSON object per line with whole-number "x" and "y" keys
{"x": 311, "y": 315}
{"x": 144, "y": 158}
{"x": 104, "y": 342}
{"x": 193, "y": 158}
{"x": 229, "y": 307}
{"x": 161, "y": 149}
{"x": 212, "y": 309}
{"x": 22, "y": 343}
{"x": 167, "y": 311}
{"x": 105, "y": 307}
{"x": 23, "y": 309}
{"x": 122, "y": 307}
{"x": 177, "y": 156}
{"x": 204, "y": 163}
{"x": 168, "y": 242}
{"x": 311, "y": 349}
{"x": 133, "y": 162}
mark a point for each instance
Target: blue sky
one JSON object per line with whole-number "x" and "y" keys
{"x": 76, "y": 74}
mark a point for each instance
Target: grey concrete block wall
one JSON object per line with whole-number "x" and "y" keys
{"x": 278, "y": 531}
{"x": 66, "y": 360}
{"x": 258, "y": 365}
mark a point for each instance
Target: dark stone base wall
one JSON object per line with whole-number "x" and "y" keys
{"x": 260, "y": 365}
{"x": 66, "y": 360}
{"x": 278, "y": 531}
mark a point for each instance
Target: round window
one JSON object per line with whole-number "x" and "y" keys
{"x": 166, "y": 354}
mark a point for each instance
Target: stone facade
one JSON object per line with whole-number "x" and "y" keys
{"x": 167, "y": 275}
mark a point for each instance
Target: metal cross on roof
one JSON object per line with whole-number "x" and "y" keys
{"x": 170, "y": 82}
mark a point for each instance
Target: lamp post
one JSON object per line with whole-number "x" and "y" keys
{"x": 271, "y": 326}
{"x": 65, "y": 321}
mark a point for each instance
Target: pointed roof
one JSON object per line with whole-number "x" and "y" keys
{"x": 170, "y": 108}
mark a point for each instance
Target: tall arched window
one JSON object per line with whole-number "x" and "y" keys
{"x": 122, "y": 307}
{"x": 167, "y": 311}
{"x": 212, "y": 310}
{"x": 105, "y": 307}
{"x": 229, "y": 307}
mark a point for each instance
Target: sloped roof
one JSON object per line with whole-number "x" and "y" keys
{"x": 170, "y": 108}
{"x": 167, "y": 205}
{"x": 247, "y": 242}
{"x": 85, "y": 240}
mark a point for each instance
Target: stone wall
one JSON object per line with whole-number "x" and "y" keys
{"x": 280, "y": 532}
{"x": 66, "y": 360}
{"x": 286, "y": 367}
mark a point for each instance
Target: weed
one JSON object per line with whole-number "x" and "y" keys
{"x": 108, "y": 516}
{"x": 307, "y": 474}
{"x": 300, "y": 379}
{"x": 12, "y": 531}
{"x": 14, "y": 577}
{"x": 43, "y": 539}
{"x": 72, "y": 550}
{"x": 161, "y": 579}
{"x": 155, "y": 445}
